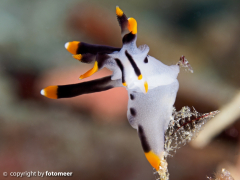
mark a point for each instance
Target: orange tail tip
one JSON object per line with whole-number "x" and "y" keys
{"x": 50, "y": 92}
{"x": 90, "y": 72}
{"x": 146, "y": 86}
{"x": 119, "y": 12}
{"x": 132, "y": 25}
{"x": 153, "y": 159}
{"x": 72, "y": 47}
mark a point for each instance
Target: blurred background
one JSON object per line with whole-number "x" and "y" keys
{"x": 90, "y": 135}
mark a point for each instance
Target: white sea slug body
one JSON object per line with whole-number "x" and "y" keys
{"x": 152, "y": 86}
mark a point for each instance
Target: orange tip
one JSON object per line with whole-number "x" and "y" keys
{"x": 72, "y": 47}
{"x": 146, "y": 86}
{"x": 153, "y": 159}
{"x": 91, "y": 71}
{"x": 119, "y": 12}
{"x": 140, "y": 77}
{"x": 77, "y": 56}
{"x": 50, "y": 92}
{"x": 132, "y": 25}
{"x": 124, "y": 84}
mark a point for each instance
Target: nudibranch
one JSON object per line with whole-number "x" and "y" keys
{"x": 152, "y": 86}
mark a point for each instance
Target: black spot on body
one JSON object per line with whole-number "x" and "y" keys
{"x": 143, "y": 138}
{"x": 133, "y": 111}
{"x": 146, "y": 60}
{"x": 132, "y": 97}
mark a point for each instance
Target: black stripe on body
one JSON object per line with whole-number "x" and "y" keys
{"x": 128, "y": 38}
{"x": 119, "y": 63}
{"x": 84, "y": 48}
{"x": 134, "y": 65}
{"x": 141, "y": 134}
{"x": 132, "y": 97}
{"x": 72, "y": 90}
